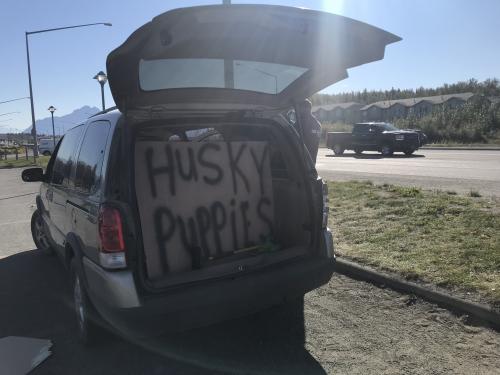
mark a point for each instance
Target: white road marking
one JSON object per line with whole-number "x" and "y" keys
{"x": 16, "y": 222}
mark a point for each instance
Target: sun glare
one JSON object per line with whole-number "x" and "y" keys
{"x": 333, "y": 6}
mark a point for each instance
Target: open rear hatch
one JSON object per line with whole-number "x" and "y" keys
{"x": 218, "y": 196}
{"x": 238, "y": 55}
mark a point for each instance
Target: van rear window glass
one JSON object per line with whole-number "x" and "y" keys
{"x": 88, "y": 168}
{"x": 254, "y": 76}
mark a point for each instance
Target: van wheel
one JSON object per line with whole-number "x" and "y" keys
{"x": 39, "y": 234}
{"x": 409, "y": 152}
{"x": 386, "y": 150}
{"x": 358, "y": 151}
{"x": 84, "y": 311}
{"x": 338, "y": 150}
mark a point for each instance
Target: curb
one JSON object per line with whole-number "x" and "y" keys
{"x": 461, "y": 148}
{"x": 482, "y": 312}
{"x": 21, "y": 166}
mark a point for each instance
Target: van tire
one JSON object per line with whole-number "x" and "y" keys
{"x": 85, "y": 313}
{"x": 409, "y": 152}
{"x": 39, "y": 234}
{"x": 338, "y": 150}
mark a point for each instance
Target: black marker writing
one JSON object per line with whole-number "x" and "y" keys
{"x": 235, "y": 169}
{"x": 260, "y": 166}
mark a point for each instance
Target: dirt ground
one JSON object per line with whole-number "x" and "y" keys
{"x": 357, "y": 328}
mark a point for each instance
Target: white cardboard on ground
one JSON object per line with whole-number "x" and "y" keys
{"x": 20, "y": 355}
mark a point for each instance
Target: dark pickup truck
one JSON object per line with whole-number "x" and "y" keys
{"x": 376, "y": 136}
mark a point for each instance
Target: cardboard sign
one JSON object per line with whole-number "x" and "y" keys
{"x": 200, "y": 201}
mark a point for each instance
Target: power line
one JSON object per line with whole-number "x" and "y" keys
{"x": 13, "y": 100}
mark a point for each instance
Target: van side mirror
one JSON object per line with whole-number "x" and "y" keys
{"x": 32, "y": 174}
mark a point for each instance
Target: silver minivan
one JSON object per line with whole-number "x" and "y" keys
{"x": 195, "y": 200}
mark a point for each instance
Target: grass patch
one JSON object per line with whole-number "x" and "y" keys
{"x": 446, "y": 239}
{"x": 41, "y": 161}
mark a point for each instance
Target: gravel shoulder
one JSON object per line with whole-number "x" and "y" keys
{"x": 354, "y": 327}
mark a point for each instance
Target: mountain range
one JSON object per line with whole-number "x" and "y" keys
{"x": 63, "y": 123}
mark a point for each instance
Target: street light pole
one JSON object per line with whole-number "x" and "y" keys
{"x": 52, "y": 109}
{"x": 102, "y": 78}
{"x": 33, "y": 126}
{"x": 26, "y": 34}
{"x": 102, "y": 96}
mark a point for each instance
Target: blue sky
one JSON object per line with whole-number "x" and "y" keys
{"x": 443, "y": 41}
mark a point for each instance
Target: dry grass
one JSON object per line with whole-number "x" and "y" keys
{"x": 446, "y": 239}
{"x": 41, "y": 161}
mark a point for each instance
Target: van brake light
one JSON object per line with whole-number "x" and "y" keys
{"x": 110, "y": 230}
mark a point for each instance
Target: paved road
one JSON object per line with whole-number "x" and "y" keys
{"x": 17, "y": 201}
{"x": 347, "y": 326}
{"x": 460, "y": 171}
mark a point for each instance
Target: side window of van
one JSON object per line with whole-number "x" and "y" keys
{"x": 50, "y": 165}
{"x": 63, "y": 164}
{"x": 89, "y": 165}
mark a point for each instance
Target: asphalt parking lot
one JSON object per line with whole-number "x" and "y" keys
{"x": 347, "y": 326}
{"x": 457, "y": 170}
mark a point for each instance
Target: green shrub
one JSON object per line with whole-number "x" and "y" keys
{"x": 471, "y": 123}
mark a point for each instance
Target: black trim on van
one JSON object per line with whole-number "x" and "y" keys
{"x": 77, "y": 206}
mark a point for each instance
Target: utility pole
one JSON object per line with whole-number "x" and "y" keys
{"x": 26, "y": 34}
{"x": 228, "y": 64}
{"x": 33, "y": 126}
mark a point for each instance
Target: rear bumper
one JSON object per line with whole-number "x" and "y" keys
{"x": 199, "y": 305}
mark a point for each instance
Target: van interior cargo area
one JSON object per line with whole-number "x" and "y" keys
{"x": 217, "y": 199}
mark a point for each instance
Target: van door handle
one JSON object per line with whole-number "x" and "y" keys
{"x": 49, "y": 194}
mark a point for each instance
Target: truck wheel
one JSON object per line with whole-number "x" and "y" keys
{"x": 338, "y": 150}
{"x": 387, "y": 150}
{"x": 358, "y": 151}
{"x": 39, "y": 235}
{"x": 46, "y": 153}
{"x": 84, "y": 311}
{"x": 409, "y": 152}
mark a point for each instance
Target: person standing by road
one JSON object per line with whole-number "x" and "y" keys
{"x": 311, "y": 128}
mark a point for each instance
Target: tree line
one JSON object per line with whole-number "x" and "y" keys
{"x": 488, "y": 87}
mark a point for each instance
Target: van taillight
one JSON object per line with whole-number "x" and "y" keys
{"x": 110, "y": 230}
